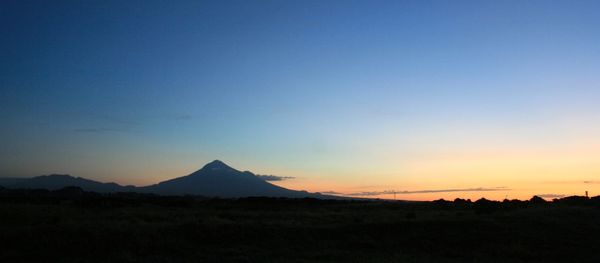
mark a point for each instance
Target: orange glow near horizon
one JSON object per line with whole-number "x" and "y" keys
{"x": 517, "y": 175}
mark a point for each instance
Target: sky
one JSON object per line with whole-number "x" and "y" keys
{"x": 430, "y": 99}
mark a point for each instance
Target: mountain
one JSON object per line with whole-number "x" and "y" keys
{"x": 215, "y": 179}
{"x": 11, "y": 181}
{"x": 218, "y": 179}
{"x": 58, "y": 181}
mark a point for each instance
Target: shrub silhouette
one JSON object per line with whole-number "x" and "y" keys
{"x": 536, "y": 200}
{"x": 462, "y": 202}
{"x": 150, "y": 228}
{"x": 70, "y": 191}
{"x": 485, "y": 206}
{"x": 574, "y": 200}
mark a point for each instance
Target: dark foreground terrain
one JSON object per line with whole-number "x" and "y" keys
{"x": 73, "y": 226}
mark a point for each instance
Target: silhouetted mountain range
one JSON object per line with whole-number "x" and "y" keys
{"x": 215, "y": 179}
{"x": 58, "y": 181}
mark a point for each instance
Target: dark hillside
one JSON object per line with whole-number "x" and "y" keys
{"x": 71, "y": 225}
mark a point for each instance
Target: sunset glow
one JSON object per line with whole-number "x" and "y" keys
{"x": 427, "y": 100}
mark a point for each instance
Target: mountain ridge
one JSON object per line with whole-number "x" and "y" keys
{"x": 214, "y": 179}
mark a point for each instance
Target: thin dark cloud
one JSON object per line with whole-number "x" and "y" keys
{"x": 478, "y": 189}
{"x": 135, "y": 120}
{"x": 551, "y": 196}
{"x": 274, "y": 177}
{"x": 368, "y": 186}
{"x": 331, "y": 193}
{"x": 117, "y": 120}
{"x": 97, "y": 130}
{"x": 371, "y": 193}
{"x": 591, "y": 182}
{"x": 184, "y": 117}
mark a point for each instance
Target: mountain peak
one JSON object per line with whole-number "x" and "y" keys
{"x": 217, "y": 165}
{"x": 63, "y": 176}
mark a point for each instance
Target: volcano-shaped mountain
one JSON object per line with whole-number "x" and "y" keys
{"x": 215, "y": 179}
{"x": 220, "y": 180}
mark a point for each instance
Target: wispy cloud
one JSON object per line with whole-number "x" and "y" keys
{"x": 117, "y": 120}
{"x": 97, "y": 130}
{"x": 478, "y": 189}
{"x": 331, "y": 193}
{"x": 183, "y": 117}
{"x": 274, "y": 177}
{"x": 550, "y": 196}
{"x": 591, "y": 182}
{"x": 368, "y": 186}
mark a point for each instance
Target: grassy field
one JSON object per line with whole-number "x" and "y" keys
{"x": 83, "y": 227}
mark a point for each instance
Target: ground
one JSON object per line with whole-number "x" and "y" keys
{"x": 83, "y": 227}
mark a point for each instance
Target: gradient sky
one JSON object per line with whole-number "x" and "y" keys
{"x": 345, "y": 96}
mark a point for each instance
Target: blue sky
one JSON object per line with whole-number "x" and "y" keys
{"x": 329, "y": 91}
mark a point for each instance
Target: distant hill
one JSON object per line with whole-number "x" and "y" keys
{"x": 11, "y": 181}
{"x": 215, "y": 179}
{"x": 58, "y": 181}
